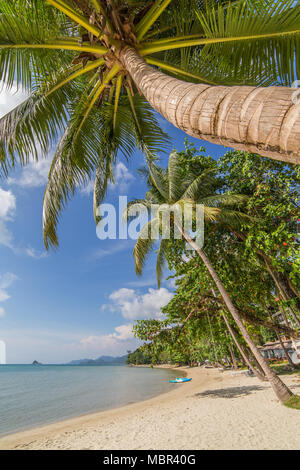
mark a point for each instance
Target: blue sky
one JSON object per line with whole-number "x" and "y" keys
{"x": 82, "y": 300}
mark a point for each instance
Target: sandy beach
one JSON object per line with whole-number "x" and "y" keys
{"x": 217, "y": 410}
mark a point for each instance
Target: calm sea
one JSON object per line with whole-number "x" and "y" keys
{"x": 34, "y": 395}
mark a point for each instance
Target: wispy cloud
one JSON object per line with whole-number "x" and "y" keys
{"x": 114, "y": 248}
{"x": 6, "y": 280}
{"x": 142, "y": 283}
{"x": 36, "y": 254}
{"x": 7, "y": 212}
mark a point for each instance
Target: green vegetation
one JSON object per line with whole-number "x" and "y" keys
{"x": 88, "y": 68}
{"x": 293, "y": 402}
{"x": 74, "y": 58}
{"x": 251, "y": 215}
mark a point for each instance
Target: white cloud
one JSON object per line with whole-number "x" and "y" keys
{"x": 7, "y": 204}
{"x": 122, "y": 180}
{"x": 34, "y": 175}
{"x": 6, "y": 280}
{"x": 116, "y": 343}
{"x": 61, "y": 346}
{"x": 7, "y": 211}
{"x": 133, "y": 305}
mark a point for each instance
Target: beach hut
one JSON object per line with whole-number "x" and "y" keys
{"x": 274, "y": 350}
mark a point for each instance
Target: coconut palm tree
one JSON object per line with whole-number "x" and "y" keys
{"x": 90, "y": 66}
{"x": 169, "y": 192}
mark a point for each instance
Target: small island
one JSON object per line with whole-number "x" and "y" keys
{"x": 36, "y": 363}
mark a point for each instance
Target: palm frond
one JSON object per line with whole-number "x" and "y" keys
{"x": 159, "y": 180}
{"x": 104, "y": 174}
{"x": 24, "y": 22}
{"x": 275, "y": 55}
{"x": 144, "y": 245}
{"x": 227, "y": 199}
{"x": 33, "y": 127}
{"x": 174, "y": 177}
{"x": 161, "y": 261}
{"x": 135, "y": 202}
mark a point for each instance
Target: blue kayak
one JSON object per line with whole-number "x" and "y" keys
{"x": 179, "y": 380}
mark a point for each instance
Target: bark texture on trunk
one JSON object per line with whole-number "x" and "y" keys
{"x": 233, "y": 360}
{"x": 280, "y": 389}
{"x": 254, "y": 119}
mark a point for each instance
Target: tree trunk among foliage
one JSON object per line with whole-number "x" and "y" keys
{"x": 242, "y": 352}
{"x": 285, "y": 351}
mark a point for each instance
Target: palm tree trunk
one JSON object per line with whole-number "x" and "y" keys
{"x": 260, "y": 376}
{"x": 242, "y": 352}
{"x": 258, "y": 120}
{"x": 233, "y": 360}
{"x": 280, "y": 389}
{"x": 283, "y": 294}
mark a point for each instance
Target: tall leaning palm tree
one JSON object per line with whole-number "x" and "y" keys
{"x": 170, "y": 191}
{"x": 210, "y": 44}
{"x": 211, "y": 67}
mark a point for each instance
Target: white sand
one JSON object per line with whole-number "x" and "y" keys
{"x": 214, "y": 411}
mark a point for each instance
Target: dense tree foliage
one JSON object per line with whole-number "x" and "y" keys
{"x": 258, "y": 263}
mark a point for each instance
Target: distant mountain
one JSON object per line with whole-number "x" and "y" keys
{"x": 100, "y": 361}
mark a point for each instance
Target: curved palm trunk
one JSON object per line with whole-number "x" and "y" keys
{"x": 284, "y": 295}
{"x": 242, "y": 352}
{"x": 258, "y": 120}
{"x": 259, "y": 375}
{"x": 233, "y": 360}
{"x": 280, "y": 389}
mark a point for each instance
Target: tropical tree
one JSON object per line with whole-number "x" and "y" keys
{"x": 197, "y": 62}
{"x": 170, "y": 191}
{"x": 271, "y": 240}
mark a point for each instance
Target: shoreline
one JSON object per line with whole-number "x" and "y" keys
{"x": 54, "y": 423}
{"x": 19, "y": 437}
{"x": 58, "y": 422}
{"x": 194, "y": 415}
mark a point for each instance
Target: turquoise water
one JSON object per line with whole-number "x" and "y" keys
{"x": 34, "y": 395}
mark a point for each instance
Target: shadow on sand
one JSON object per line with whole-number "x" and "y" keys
{"x": 231, "y": 392}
